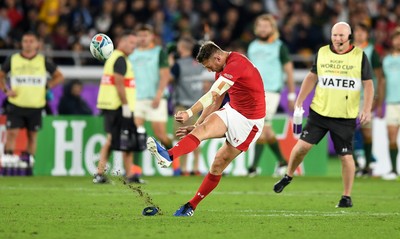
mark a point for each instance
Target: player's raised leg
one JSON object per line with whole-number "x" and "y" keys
{"x": 159, "y": 152}
{"x": 212, "y": 127}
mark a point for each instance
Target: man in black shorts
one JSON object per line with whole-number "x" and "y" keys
{"x": 26, "y": 98}
{"x": 116, "y": 99}
{"x": 339, "y": 72}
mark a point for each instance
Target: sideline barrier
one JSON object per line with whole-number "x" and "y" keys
{"x": 70, "y": 146}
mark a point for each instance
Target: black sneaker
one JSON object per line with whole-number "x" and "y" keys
{"x": 252, "y": 172}
{"x": 345, "y": 201}
{"x": 100, "y": 179}
{"x": 366, "y": 172}
{"x": 279, "y": 186}
{"x": 135, "y": 179}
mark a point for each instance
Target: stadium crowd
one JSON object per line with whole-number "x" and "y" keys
{"x": 304, "y": 25}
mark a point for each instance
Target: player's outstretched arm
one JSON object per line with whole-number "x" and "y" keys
{"x": 3, "y": 85}
{"x": 210, "y": 109}
{"x": 165, "y": 78}
{"x": 288, "y": 68}
{"x": 217, "y": 90}
{"x": 306, "y": 87}
{"x": 380, "y": 95}
{"x": 183, "y": 131}
{"x": 365, "y": 115}
{"x": 56, "y": 79}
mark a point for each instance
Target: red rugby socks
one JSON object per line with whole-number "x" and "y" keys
{"x": 186, "y": 145}
{"x": 209, "y": 183}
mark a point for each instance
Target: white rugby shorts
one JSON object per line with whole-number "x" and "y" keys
{"x": 241, "y": 131}
{"x": 392, "y": 115}
{"x": 272, "y": 100}
{"x": 144, "y": 111}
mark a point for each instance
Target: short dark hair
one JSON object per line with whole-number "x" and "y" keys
{"x": 126, "y": 33}
{"x": 123, "y": 34}
{"x": 396, "y": 32}
{"x": 188, "y": 42}
{"x": 31, "y": 33}
{"x": 362, "y": 26}
{"x": 207, "y": 49}
{"x": 145, "y": 27}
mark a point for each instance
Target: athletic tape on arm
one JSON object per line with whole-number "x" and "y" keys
{"x": 216, "y": 86}
{"x": 207, "y": 99}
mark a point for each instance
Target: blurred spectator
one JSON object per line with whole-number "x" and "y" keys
{"x": 341, "y": 11}
{"x": 210, "y": 26}
{"x": 281, "y": 12}
{"x": 288, "y": 35}
{"x": 308, "y": 34}
{"x": 13, "y": 12}
{"x": 83, "y": 38}
{"x": 187, "y": 9}
{"x": 72, "y": 103}
{"x": 129, "y": 21}
{"x": 60, "y": 40}
{"x": 320, "y": 13}
{"x": 119, "y": 11}
{"x": 189, "y": 85}
{"x": 232, "y": 27}
{"x": 5, "y": 24}
{"x": 44, "y": 36}
{"x": 271, "y": 57}
{"x": 81, "y": 17}
{"x": 32, "y": 20}
{"x": 60, "y": 37}
{"x": 152, "y": 75}
{"x": 160, "y": 26}
{"x": 49, "y": 12}
{"x": 104, "y": 20}
{"x": 391, "y": 67}
{"x": 304, "y": 25}
{"x": 65, "y": 10}
{"x": 184, "y": 27}
{"x": 139, "y": 11}
{"x": 153, "y": 6}
{"x": 361, "y": 39}
{"x": 171, "y": 18}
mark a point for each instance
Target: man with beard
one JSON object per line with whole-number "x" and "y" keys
{"x": 271, "y": 57}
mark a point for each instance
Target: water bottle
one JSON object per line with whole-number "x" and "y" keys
{"x": 14, "y": 165}
{"x": 24, "y": 163}
{"x": 7, "y": 162}
{"x": 141, "y": 138}
{"x": 124, "y": 139}
{"x": 29, "y": 170}
{"x": 2, "y": 165}
{"x": 298, "y": 121}
{"x": 22, "y": 167}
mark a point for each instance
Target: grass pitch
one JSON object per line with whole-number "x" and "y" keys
{"x": 240, "y": 207}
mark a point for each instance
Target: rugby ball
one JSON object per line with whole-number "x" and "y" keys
{"x": 101, "y": 47}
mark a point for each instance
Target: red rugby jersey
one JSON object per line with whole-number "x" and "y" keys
{"x": 247, "y": 94}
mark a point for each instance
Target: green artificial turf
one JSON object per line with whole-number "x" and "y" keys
{"x": 240, "y": 207}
